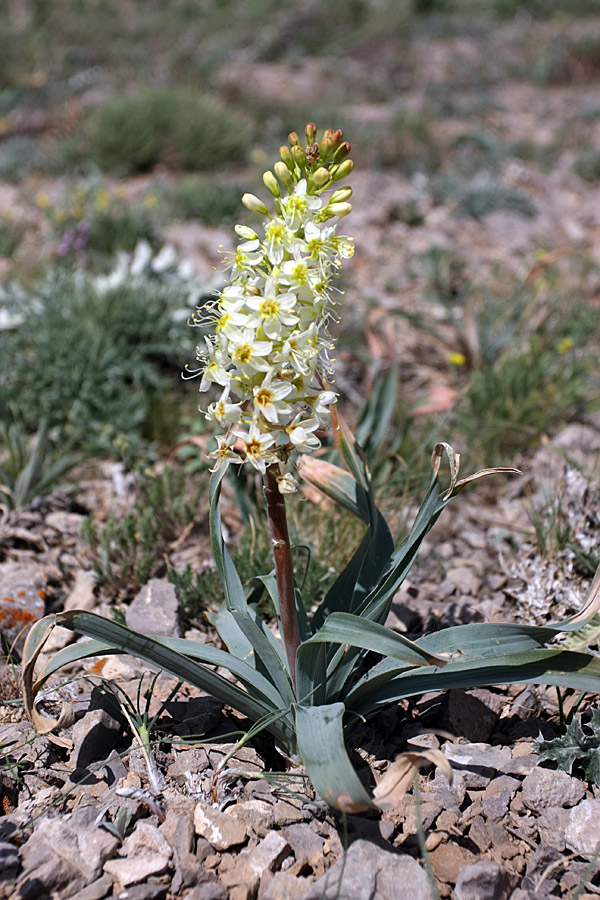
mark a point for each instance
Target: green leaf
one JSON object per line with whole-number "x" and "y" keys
{"x": 344, "y": 628}
{"x": 540, "y": 666}
{"x": 579, "y": 744}
{"x": 311, "y": 673}
{"x": 187, "y": 660}
{"x": 234, "y": 591}
{"x": 568, "y": 748}
{"x": 483, "y": 639}
{"x": 321, "y": 744}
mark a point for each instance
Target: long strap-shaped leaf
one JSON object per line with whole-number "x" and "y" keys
{"x": 321, "y": 744}
{"x": 544, "y": 666}
{"x": 234, "y": 591}
{"x": 167, "y": 654}
{"x": 353, "y": 631}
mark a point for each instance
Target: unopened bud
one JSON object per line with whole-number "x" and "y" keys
{"x": 294, "y": 139}
{"x": 271, "y": 184}
{"x": 321, "y": 176}
{"x": 341, "y": 195}
{"x": 286, "y": 483}
{"x": 341, "y": 153}
{"x": 311, "y": 133}
{"x": 341, "y": 171}
{"x": 286, "y": 155}
{"x": 252, "y": 289}
{"x": 337, "y": 137}
{"x": 338, "y": 209}
{"x": 282, "y": 172}
{"x": 248, "y": 234}
{"x": 299, "y": 156}
{"x": 254, "y": 204}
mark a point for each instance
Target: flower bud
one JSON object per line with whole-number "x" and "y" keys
{"x": 299, "y": 157}
{"x": 338, "y": 209}
{"x": 271, "y": 184}
{"x": 248, "y": 234}
{"x": 286, "y": 155}
{"x": 294, "y": 139}
{"x": 341, "y": 195}
{"x": 337, "y": 137}
{"x": 254, "y": 204}
{"x": 311, "y": 133}
{"x": 341, "y": 171}
{"x": 321, "y": 176}
{"x": 282, "y": 172}
{"x": 341, "y": 153}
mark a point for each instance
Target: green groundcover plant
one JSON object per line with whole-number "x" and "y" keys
{"x": 265, "y": 347}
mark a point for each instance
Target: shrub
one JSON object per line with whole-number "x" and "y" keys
{"x": 89, "y": 363}
{"x": 133, "y": 134}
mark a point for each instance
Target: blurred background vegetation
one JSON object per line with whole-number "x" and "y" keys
{"x": 126, "y": 124}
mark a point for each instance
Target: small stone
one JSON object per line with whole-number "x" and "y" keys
{"x": 178, "y": 829}
{"x": 544, "y": 788}
{"x": 136, "y": 869}
{"x": 257, "y": 814}
{"x": 479, "y": 762}
{"x": 82, "y": 595}
{"x": 582, "y": 834}
{"x": 286, "y": 887}
{"x": 250, "y": 867}
{"x": 500, "y": 784}
{"x": 220, "y": 828}
{"x": 193, "y": 761}
{"x": 470, "y": 716}
{"x": 485, "y": 881}
{"x": 22, "y": 600}
{"x": 465, "y": 580}
{"x": 496, "y": 808}
{"x": 156, "y": 610}
{"x": 97, "y": 890}
{"x": 307, "y": 848}
{"x": 285, "y": 813}
{"x": 366, "y": 871}
{"x": 208, "y": 892}
{"x": 96, "y": 734}
{"x": 552, "y": 825}
{"x": 146, "y": 838}
{"x": 448, "y": 860}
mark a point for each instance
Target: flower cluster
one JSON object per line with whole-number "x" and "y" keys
{"x": 268, "y": 344}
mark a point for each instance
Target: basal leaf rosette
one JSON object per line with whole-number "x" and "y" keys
{"x": 268, "y": 348}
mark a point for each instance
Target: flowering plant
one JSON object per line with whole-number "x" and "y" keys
{"x": 267, "y": 353}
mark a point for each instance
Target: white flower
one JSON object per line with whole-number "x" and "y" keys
{"x": 223, "y": 412}
{"x": 272, "y": 311}
{"x": 301, "y": 434}
{"x": 269, "y": 399}
{"x": 225, "y": 452}
{"x": 248, "y": 354}
{"x": 298, "y": 206}
{"x": 287, "y": 484}
{"x": 256, "y": 447}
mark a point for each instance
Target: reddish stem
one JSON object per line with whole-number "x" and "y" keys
{"x": 284, "y": 573}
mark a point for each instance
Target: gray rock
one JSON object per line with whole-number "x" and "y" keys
{"x": 286, "y": 887}
{"x": 151, "y": 890}
{"x": 97, "y": 889}
{"x": 9, "y": 867}
{"x": 222, "y": 829}
{"x": 208, "y": 892}
{"x": 470, "y": 716}
{"x": 544, "y": 788}
{"x": 306, "y": 845}
{"x": 156, "y": 610}
{"x": 485, "y": 881}
{"x": 60, "y": 858}
{"x": 479, "y": 763}
{"x": 495, "y": 808}
{"x": 22, "y": 599}
{"x": 136, "y": 869}
{"x": 249, "y": 868}
{"x": 501, "y": 784}
{"x": 582, "y": 834}
{"x": 97, "y": 733}
{"x": 366, "y": 871}
{"x": 82, "y": 592}
{"x": 552, "y": 825}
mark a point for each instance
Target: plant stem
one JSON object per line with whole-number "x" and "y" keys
{"x": 284, "y": 573}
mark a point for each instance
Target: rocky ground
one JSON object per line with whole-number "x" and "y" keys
{"x": 88, "y": 814}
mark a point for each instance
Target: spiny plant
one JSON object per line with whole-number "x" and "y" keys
{"x": 267, "y": 354}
